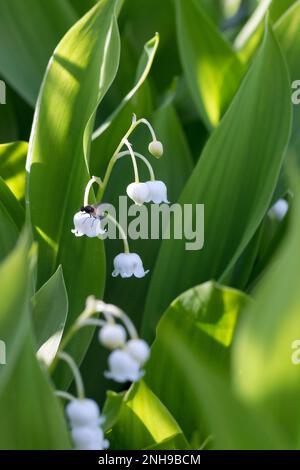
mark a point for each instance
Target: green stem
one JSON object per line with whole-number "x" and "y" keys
{"x": 64, "y": 395}
{"x": 144, "y": 159}
{"x": 135, "y": 123}
{"x": 77, "y": 376}
{"x": 121, "y": 231}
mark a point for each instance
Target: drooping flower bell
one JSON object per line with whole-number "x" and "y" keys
{"x": 112, "y": 336}
{"x": 86, "y": 224}
{"x": 138, "y": 192}
{"x": 122, "y": 367}
{"x": 89, "y": 438}
{"x": 138, "y": 350}
{"x": 157, "y": 192}
{"x": 83, "y": 412}
{"x": 279, "y": 209}
{"x": 85, "y": 419}
{"x": 127, "y": 265}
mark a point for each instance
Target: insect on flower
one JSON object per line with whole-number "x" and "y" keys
{"x": 88, "y": 221}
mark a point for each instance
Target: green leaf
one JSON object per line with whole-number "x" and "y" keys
{"x": 50, "y": 309}
{"x": 142, "y": 421}
{"x": 11, "y": 219}
{"x": 8, "y": 120}
{"x": 80, "y": 72}
{"x": 234, "y": 179}
{"x": 279, "y": 7}
{"x": 250, "y": 36}
{"x": 264, "y": 373}
{"x": 287, "y": 30}
{"x": 23, "y": 56}
{"x": 12, "y": 167}
{"x": 205, "y": 318}
{"x": 107, "y": 137}
{"x": 30, "y": 413}
{"x": 231, "y": 424}
{"x": 212, "y": 70}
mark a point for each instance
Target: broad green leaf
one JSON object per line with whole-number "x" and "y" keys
{"x": 143, "y": 421}
{"x": 176, "y": 164}
{"x": 82, "y": 7}
{"x": 30, "y": 415}
{"x": 139, "y": 24}
{"x": 107, "y": 137}
{"x": 13, "y": 311}
{"x": 279, "y": 7}
{"x": 205, "y": 318}
{"x": 11, "y": 205}
{"x": 11, "y": 219}
{"x": 263, "y": 368}
{"x": 234, "y": 179}
{"x": 23, "y": 54}
{"x": 231, "y": 424}
{"x": 80, "y": 72}
{"x": 212, "y": 70}
{"x": 250, "y": 36}
{"x": 49, "y": 314}
{"x": 239, "y": 274}
{"x": 12, "y": 167}
{"x": 287, "y": 30}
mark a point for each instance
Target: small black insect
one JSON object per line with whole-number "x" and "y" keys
{"x": 88, "y": 209}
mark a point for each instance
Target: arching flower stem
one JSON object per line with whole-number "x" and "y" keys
{"x": 75, "y": 371}
{"x": 144, "y": 159}
{"x": 134, "y": 124}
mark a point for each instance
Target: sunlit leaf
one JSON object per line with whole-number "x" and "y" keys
{"x": 205, "y": 318}
{"x": 80, "y": 72}
{"x": 234, "y": 179}
{"x": 12, "y": 167}
{"x": 212, "y": 70}
{"x": 142, "y": 421}
{"x": 50, "y": 308}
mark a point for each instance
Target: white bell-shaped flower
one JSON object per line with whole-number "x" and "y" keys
{"x": 122, "y": 367}
{"x": 157, "y": 192}
{"x": 128, "y": 264}
{"x": 156, "y": 148}
{"x": 279, "y": 209}
{"x": 89, "y": 438}
{"x": 112, "y": 336}
{"x": 138, "y": 192}
{"x": 83, "y": 412}
{"x": 138, "y": 350}
{"x": 88, "y": 225}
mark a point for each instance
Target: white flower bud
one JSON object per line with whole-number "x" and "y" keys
{"x": 157, "y": 192}
{"x": 127, "y": 265}
{"x": 138, "y": 192}
{"x": 112, "y": 336}
{"x": 138, "y": 350}
{"x": 279, "y": 209}
{"x": 83, "y": 412}
{"x": 123, "y": 368}
{"x": 156, "y": 148}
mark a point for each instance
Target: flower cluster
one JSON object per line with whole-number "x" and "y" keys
{"x": 88, "y": 221}
{"x": 85, "y": 421}
{"x": 128, "y": 354}
{"x": 126, "y": 360}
